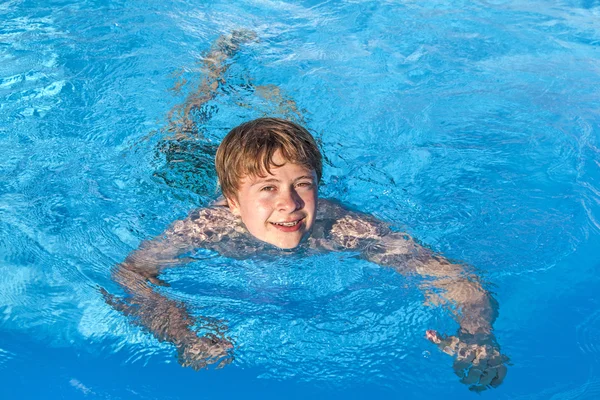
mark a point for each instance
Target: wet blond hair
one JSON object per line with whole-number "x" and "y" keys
{"x": 248, "y": 150}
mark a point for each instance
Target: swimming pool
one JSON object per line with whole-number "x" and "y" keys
{"x": 474, "y": 126}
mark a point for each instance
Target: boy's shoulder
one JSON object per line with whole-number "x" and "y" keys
{"x": 347, "y": 228}
{"x": 328, "y": 209}
{"x": 213, "y": 215}
{"x": 207, "y": 224}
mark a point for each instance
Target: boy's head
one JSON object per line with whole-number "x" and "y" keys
{"x": 269, "y": 170}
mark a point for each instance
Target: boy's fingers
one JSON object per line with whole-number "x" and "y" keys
{"x": 225, "y": 361}
{"x": 500, "y": 374}
{"x": 481, "y": 363}
{"x": 487, "y": 376}
{"x": 447, "y": 344}
{"x": 465, "y": 354}
{"x": 205, "y": 351}
{"x": 495, "y": 359}
{"x": 433, "y": 336}
{"x": 479, "y": 366}
{"x": 472, "y": 377}
{"x": 477, "y": 388}
{"x": 460, "y": 366}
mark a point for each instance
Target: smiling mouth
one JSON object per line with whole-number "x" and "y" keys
{"x": 288, "y": 224}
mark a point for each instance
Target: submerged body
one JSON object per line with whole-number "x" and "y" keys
{"x": 269, "y": 170}
{"x": 478, "y": 360}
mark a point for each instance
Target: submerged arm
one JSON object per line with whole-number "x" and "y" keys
{"x": 167, "y": 319}
{"x": 448, "y": 284}
{"x": 478, "y": 359}
{"x": 452, "y": 285}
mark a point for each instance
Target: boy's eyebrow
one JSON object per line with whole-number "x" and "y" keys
{"x": 304, "y": 177}
{"x": 263, "y": 180}
{"x": 275, "y": 180}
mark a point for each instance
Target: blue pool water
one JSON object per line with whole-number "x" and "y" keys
{"x": 474, "y": 126}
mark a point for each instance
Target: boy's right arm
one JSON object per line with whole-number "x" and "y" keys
{"x": 167, "y": 319}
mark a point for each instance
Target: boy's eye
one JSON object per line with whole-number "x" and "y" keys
{"x": 304, "y": 184}
{"x": 268, "y": 189}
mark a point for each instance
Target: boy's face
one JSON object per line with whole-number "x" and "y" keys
{"x": 280, "y": 208}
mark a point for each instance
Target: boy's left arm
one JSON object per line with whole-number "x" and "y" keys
{"x": 478, "y": 361}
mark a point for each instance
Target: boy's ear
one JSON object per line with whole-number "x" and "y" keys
{"x": 234, "y": 206}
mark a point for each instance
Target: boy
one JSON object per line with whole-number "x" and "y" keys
{"x": 269, "y": 170}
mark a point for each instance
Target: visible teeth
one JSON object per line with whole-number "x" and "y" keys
{"x": 286, "y": 223}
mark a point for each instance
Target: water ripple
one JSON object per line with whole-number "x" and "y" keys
{"x": 477, "y": 135}
{"x": 5, "y": 358}
{"x": 588, "y": 336}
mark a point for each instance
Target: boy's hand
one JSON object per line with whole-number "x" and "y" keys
{"x": 201, "y": 352}
{"x": 479, "y": 365}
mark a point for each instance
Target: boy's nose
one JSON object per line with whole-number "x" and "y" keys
{"x": 289, "y": 201}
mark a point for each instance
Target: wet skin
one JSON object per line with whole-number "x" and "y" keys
{"x": 279, "y": 208}
{"x": 284, "y": 196}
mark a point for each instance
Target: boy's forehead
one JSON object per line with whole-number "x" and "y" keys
{"x": 297, "y": 170}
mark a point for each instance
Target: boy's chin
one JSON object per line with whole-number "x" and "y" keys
{"x": 282, "y": 240}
